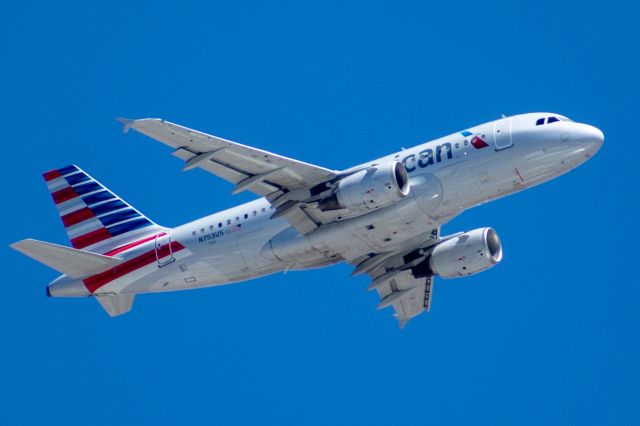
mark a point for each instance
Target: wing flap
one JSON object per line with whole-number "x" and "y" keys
{"x": 299, "y": 219}
{"x": 415, "y": 302}
{"x": 409, "y": 296}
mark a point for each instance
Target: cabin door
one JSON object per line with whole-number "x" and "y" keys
{"x": 502, "y": 134}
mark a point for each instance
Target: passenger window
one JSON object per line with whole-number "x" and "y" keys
{"x": 552, "y": 120}
{"x": 255, "y": 213}
{"x": 202, "y": 230}
{"x": 193, "y": 233}
{"x": 263, "y": 210}
{"x": 237, "y": 218}
{"x": 540, "y": 122}
{"x": 228, "y": 221}
{"x": 210, "y": 227}
{"x": 246, "y": 216}
{"x": 220, "y": 225}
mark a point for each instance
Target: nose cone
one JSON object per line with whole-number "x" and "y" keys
{"x": 590, "y": 137}
{"x": 67, "y": 287}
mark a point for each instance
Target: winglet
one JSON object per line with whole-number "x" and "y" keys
{"x": 402, "y": 322}
{"x": 126, "y": 123}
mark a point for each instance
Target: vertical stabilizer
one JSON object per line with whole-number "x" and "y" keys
{"x": 95, "y": 218}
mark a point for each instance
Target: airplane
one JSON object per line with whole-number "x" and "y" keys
{"x": 383, "y": 217}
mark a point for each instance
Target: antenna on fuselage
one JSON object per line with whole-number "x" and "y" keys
{"x": 503, "y": 116}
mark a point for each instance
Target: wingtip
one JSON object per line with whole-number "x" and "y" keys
{"x": 19, "y": 244}
{"x": 126, "y": 123}
{"x": 402, "y": 322}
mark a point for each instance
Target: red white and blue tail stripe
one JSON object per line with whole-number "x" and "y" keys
{"x": 95, "y": 218}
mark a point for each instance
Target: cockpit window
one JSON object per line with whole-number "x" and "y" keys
{"x": 552, "y": 119}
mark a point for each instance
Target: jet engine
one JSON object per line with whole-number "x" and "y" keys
{"x": 370, "y": 189}
{"x": 467, "y": 254}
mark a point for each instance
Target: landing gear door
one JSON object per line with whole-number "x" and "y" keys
{"x": 164, "y": 252}
{"x": 502, "y": 134}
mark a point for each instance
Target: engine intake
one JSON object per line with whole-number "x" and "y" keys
{"x": 472, "y": 252}
{"x": 370, "y": 189}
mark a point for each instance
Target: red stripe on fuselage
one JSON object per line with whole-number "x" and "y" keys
{"x": 94, "y": 282}
{"x": 51, "y": 175}
{"x": 132, "y": 245}
{"x": 77, "y": 216}
{"x": 65, "y": 194}
{"x": 90, "y": 238}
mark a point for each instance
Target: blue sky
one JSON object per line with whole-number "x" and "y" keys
{"x": 548, "y": 336}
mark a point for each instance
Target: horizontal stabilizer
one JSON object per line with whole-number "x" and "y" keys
{"x": 72, "y": 262}
{"x": 115, "y": 304}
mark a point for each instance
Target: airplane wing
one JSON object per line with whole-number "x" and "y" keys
{"x": 409, "y": 296}
{"x": 282, "y": 180}
{"x": 394, "y": 278}
{"x": 258, "y": 171}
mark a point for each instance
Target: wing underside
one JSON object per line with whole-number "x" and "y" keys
{"x": 409, "y": 296}
{"x": 396, "y": 279}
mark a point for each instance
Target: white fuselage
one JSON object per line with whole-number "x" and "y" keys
{"x": 447, "y": 175}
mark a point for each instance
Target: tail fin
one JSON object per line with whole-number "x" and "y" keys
{"x": 95, "y": 218}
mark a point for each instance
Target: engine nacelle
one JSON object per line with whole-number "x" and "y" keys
{"x": 472, "y": 252}
{"x": 370, "y": 189}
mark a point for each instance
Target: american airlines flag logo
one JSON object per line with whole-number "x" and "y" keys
{"x": 91, "y": 214}
{"x": 476, "y": 141}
